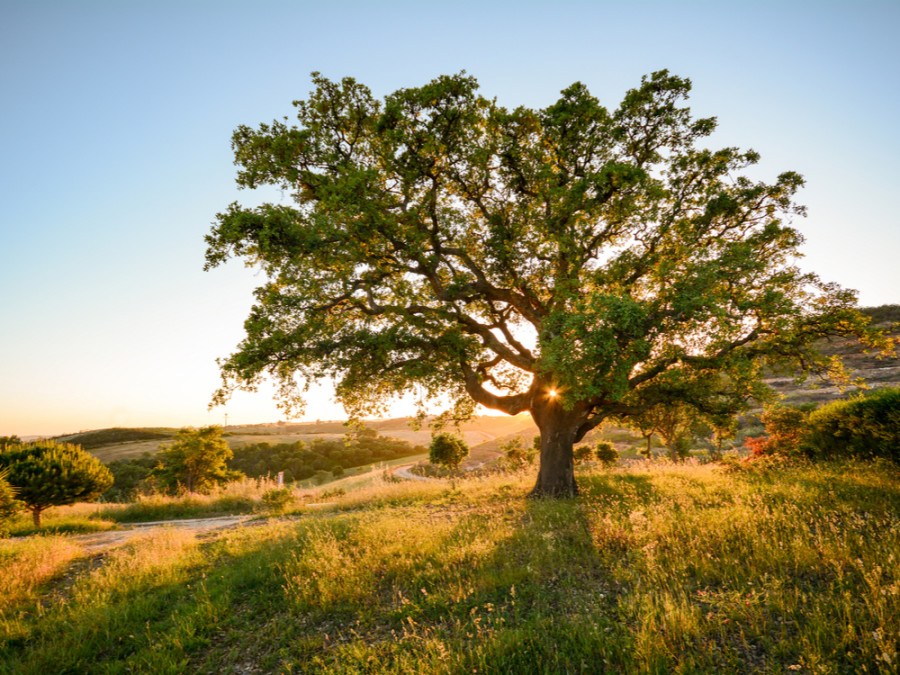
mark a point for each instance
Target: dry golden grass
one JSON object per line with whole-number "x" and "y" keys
{"x": 25, "y": 565}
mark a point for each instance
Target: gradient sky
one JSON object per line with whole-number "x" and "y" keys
{"x": 116, "y": 124}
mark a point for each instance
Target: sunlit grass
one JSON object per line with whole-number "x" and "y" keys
{"x": 653, "y": 569}
{"x": 26, "y": 564}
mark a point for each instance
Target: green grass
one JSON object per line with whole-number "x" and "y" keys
{"x": 662, "y": 569}
{"x": 23, "y": 525}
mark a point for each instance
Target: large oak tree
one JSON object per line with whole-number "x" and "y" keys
{"x": 574, "y": 262}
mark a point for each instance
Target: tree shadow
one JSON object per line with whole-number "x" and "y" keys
{"x": 622, "y": 488}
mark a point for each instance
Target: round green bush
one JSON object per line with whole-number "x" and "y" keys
{"x": 606, "y": 453}
{"x": 863, "y": 427}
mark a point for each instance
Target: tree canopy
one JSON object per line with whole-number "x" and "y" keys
{"x": 46, "y": 473}
{"x": 447, "y": 450}
{"x": 195, "y": 461}
{"x": 576, "y": 262}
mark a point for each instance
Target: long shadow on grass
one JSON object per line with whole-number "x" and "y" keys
{"x": 852, "y": 486}
{"x": 618, "y": 490}
{"x": 544, "y": 600}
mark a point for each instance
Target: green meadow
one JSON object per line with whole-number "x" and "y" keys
{"x": 655, "y": 568}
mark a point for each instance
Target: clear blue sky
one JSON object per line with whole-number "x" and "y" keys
{"x": 116, "y": 124}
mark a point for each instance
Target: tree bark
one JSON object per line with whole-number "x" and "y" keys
{"x": 559, "y": 428}
{"x": 36, "y": 516}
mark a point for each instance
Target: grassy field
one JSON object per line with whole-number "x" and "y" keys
{"x": 657, "y": 569}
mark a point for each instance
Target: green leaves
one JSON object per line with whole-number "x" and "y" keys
{"x": 195, "y": 461}
{"x": 9, "y": 505}
{"x": 442, "y": 242}
{"x": 45, "y": 473}
{"x": 447, "y": 450}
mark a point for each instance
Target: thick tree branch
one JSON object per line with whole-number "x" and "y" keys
{"x": 512, "y": 405}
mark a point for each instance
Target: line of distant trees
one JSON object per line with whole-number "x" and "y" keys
{"x": 298, "y": 461}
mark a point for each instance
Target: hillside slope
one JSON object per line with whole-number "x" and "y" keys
{"x": 874, "y": 371}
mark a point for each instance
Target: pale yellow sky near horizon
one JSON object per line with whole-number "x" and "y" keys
{"x": 117, "y": 157}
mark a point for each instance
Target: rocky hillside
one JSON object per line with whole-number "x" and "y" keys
{"x": 876, "y": 372}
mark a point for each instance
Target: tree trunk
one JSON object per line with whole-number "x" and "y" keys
{"x": 36, "y": 516}
{"x": 556, "y": 476}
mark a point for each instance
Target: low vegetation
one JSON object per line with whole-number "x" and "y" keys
{"x": 658, "y": 568}
{"x": 864, "y": 426}
{"x": 321, "y": 460}
{"x": 448, "y": 451}
{"x": 300, "y": 461}
{"x": 9, "y": 505}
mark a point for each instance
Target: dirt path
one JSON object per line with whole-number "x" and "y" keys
{"x": 98, "y": 541}
{"x": 404, "y": 472}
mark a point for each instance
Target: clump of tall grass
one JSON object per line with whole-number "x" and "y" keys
{"x": 27, "y": 564}
{"x": 238, "y": 497}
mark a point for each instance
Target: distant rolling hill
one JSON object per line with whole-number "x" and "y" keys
{"x": 123, "y": 443}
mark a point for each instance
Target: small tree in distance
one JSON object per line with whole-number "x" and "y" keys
{"x": 195, "y": 461}
{"x": 605, "y": 452}
{"x": 582, "y": 453}
{"x": 448, "y": 451}
{"x": 46, "y": 474}
{"x": 516, "y": 455}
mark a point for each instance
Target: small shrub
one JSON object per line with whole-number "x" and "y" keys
{"x": 785, "y": 428}
{"x": 731, "y": 462}
{"x": 605, "y": 453}
{"x": 757, "y": 446}
{"x": 277, "y": 499}
{"x": 387, "y": 476}
{"x": 864, "y": 427}
{"x": 582, "y": 453}
{"x": 516, "y": 456}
